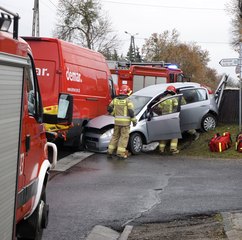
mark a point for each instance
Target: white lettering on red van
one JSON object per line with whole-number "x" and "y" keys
{"x": 73, "y": 76}
{"x": 75, "y": 90}
{"x": 43, "y": 72}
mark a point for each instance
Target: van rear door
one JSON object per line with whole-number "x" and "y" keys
{"x": 48, "y": 69}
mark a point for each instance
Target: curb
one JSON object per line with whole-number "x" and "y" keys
{"x": 233, "y": 224}
{"x": 125, "y": 234}
{"x": 104, "y": 233}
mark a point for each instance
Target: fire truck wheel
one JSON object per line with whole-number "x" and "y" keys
{"x": 32, "y": 228}
{"x": 135, "y": 143}
{"x": 209, "y": 122}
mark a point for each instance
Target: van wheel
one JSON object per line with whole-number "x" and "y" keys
{"x": 81, "y": 145}
{"x": 209, "y": 122}
{"x": 79, "y": 142}
{"x": 32, "y": 228}
{"x": 135, "y": 143}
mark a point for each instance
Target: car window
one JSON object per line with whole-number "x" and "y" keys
{"x": 194, "y": 95}
{"x": 167, "y": 106}
{"x": 139, "y": 102}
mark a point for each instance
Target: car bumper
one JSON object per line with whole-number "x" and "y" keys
{"x": 94, "y": 142}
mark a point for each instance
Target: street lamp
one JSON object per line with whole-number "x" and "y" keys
{"x": 132, "y": 46}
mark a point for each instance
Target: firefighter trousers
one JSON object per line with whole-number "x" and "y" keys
{"x": 119, "y": 140}
{"x": 173, "y": 145}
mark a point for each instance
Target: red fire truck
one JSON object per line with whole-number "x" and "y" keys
{"x": 140, "y": 75}
{"x": 65, "y": 67}
{"x": 24, "y": 163}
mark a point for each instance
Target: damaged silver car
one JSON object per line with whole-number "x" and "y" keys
{"x": 200, "y": 112}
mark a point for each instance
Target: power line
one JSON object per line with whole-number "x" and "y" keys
{"x": 164, "y": 6}
{"x": 200, "y": 42}
{"x": 44, "y": 3}
{"x": 53, "y": 4}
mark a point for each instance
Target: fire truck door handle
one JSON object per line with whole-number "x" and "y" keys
{"x": 91, "y": 99}
{"x": 27, "y": 143}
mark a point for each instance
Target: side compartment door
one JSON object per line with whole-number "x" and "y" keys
{"x": 11, "y": 81}
{"x": 164, "y": 125}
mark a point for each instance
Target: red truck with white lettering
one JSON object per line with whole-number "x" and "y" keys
{"x": 65, "y": 67}
{"x": 140, "y": 75}
{"x": 24, "y": 163}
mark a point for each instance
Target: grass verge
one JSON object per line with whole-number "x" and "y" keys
{"x": 199, "y": 148}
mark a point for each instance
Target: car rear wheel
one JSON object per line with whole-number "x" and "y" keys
{"x": 209, "y": 122}
{"x": 135, "y": 143}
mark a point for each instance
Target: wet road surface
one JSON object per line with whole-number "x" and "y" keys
{"x": 145, "y": 188}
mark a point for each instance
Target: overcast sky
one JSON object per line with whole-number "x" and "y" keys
{"x": 202, "y": 21}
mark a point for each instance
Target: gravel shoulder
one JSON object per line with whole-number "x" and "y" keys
{"x": 197, "y": 227}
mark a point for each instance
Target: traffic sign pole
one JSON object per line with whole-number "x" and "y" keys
{"x": 240, "y": 86}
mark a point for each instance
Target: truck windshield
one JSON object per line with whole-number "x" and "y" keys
{"x": 139, "y": 102}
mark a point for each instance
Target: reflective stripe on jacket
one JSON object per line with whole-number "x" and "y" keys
{"x": 121, "y": 111}
{"x": 168, "y": 106}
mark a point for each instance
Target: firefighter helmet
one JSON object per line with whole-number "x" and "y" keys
{"x": 125, "y": 90}
{"x": 171, "y": 89}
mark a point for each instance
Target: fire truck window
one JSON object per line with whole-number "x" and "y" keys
{"x": 30, "y": 91}
{"x": 172, "y": 77}
{"x": 179, "y": 78}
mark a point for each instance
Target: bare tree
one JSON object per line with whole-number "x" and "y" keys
{"x": 188, "y": 56}
{"x": 233, "y": 9}
{"x": 83, "y": 22}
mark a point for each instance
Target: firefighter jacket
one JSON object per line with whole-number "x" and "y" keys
{"x": 168, "y": 106}
{"x": 123, "y": 111}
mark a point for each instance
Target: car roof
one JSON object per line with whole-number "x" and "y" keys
{"x": 154, "y": 90}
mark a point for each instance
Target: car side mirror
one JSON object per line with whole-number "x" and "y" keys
{"x": 65, "y": 111}
{"x": 149, "y": 114}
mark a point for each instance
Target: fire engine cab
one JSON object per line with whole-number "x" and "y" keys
{"x": 140, "y": 75}
{"x": 24, "y": 163}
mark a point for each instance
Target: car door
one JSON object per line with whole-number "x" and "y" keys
{"x": 164, "y": 126}
{"x": 196, "y": 106}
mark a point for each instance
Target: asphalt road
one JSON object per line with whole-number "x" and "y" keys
{"x": 145, "y": 188}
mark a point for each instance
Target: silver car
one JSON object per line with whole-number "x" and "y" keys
{"x": 199, "y": 112}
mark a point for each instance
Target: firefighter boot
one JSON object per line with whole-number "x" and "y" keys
{"x": 174, "y": 151}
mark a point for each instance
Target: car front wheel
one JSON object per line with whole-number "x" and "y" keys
{"x": 209, "y": 122}
{"x": 135, "y": 143}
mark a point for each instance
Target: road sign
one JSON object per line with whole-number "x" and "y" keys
{"x": 228, "y": 62}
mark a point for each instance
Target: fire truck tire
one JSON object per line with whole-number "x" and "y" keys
{"x": 135, "y": 143}
{"x": 32, "y": 228}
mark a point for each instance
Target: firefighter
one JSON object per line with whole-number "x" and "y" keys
{"x": 167, "y": 107}
{"x": 122, "y": 110}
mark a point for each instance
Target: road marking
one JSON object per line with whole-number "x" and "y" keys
{"x": 71, "y": 160}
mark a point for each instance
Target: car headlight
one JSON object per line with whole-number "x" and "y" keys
{"x": 107, "y": 134}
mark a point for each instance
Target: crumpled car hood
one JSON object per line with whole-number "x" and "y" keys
{"x": 100, "y": 121}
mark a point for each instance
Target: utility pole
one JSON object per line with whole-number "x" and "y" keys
{"x": 131, "y": 47}
{"x": 240, "y": 56}
{"x": 35, "y": 26}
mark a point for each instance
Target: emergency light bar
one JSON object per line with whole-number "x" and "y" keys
{"x": 172, "y": 66}
{"x": 5, "y": 21}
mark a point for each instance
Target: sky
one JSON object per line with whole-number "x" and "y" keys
{"x": 205, "y": 22}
